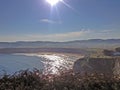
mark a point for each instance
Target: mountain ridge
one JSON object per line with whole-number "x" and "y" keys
{"x": 91, "y": 43}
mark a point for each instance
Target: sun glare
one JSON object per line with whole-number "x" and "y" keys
{"x": 53, "y": 2}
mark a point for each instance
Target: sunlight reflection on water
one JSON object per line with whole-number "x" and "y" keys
{"x": 54, "y": 63}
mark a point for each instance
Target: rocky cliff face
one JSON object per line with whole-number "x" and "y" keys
{"x": 108, "y": 66}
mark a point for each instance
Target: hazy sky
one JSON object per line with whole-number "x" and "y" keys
{"x": 37, "y": 20}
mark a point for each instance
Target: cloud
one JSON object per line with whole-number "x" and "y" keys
{"x": 101, "y": 34}
{"x": 60, "y": 37}
{"x": 106, "y": 31}
{"x": 68, "y": 36}
{"x": 50, "y": 21}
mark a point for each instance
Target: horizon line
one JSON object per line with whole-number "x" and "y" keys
{"x": 57, "y": 41}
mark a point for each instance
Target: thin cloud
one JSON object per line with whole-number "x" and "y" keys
{"x": 59, "y": 37}
{"x": 106, "y": 31}
{"x": 50, "y": 21}
{"x": 68, "y": 36}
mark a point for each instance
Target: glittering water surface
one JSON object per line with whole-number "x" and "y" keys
{"x": 50, "y": 62}
{"x": 54, "y": 63}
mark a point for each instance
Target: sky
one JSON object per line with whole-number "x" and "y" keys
{"x": 37, "y": 20}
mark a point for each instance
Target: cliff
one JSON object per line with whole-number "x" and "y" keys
{"x": 108, "y": 66}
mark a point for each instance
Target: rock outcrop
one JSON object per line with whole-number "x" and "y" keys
{"x": 110, "y": 66}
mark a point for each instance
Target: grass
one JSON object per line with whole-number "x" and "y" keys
{"x": 68, "y": 80}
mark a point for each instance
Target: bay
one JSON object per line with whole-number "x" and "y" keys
{"x": 48, "y": 62}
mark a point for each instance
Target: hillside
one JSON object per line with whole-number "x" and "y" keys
{"x": 92, "y": 43}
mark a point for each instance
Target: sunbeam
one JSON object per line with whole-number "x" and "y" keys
{"x": 70, "y": 7}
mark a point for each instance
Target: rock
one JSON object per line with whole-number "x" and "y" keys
{"x": 97, "y": 65}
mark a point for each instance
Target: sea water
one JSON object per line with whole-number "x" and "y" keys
{"x": 49, "y": 63}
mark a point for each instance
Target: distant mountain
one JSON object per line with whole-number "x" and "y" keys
{"x": 91, "y": 43}
{"x": 99, "y": 40}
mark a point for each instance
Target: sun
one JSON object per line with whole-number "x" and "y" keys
{"x": 53, "y": 2}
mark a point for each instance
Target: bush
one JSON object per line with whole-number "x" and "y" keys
{"x": 35, "y": 80}
{"x": 108, "y": 52}
{"x": 117, "y": 49}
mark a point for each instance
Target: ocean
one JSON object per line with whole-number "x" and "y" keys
{"x": 49, "y": 63}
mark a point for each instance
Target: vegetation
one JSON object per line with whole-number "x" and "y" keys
{"x": 35, "y": 80}
{"x": 103, "y": 53}
{"x": 108, "y": 52}
{"x": 117, "y": 49}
